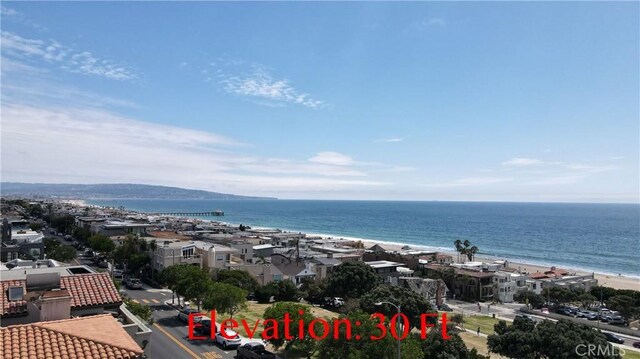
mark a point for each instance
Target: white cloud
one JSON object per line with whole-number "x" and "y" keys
{"x": 390, "y": 140}
{"x": 472, "y": 182}
{"x": 66, "y": 58}
{"x": 86, "y": 145}
{"x": 522, "y": 162}
{"x": 259, "y": 84}
{"x": 332, "y": 158}
{"x": 18, "y": 17}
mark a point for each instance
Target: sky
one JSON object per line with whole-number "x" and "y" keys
{"x": 493, "y": 101}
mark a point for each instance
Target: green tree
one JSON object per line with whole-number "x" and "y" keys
{"x": 102, "y": 243}
{"x": 140, "y": 310}
{"x": 586, "y": 300}
{"x": 239, "y": 278}
{"x": 436, "y": 347}
{"x": 34, "y": 226}
{"x": 50, "y": 244}
{"x": 193, "y": 284}
{"x": 314, "y": 290}
{"x": 341, "y": 281}
{"x": 63, "y": 253}
{"x": 412, "y": 304}
{"x": 264, "y": 293}
{"x": 286, "y": 291}
{"x": 365, "y": 347}
{"x": 171, "y": 276}
{"x": 465, "y": 248}
{"x": 536, "y": 301}
{"x": 559, "y": 295}
{"x": 526, "y": 340}
{"x": 305, "y": 346}
{"x": 624, "y": 304}
{"x": 81, "y": 234}
{"x": 225, "y": 298}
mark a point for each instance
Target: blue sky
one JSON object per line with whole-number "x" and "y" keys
{"x": 495, "y": 101}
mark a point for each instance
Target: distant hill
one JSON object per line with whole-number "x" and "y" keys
{"x": 109, "y": 191}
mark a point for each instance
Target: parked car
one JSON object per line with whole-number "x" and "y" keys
{"x": 445, "y": 308}
{"x": 254, "y": 350}
{"x": 613, "y": 338}
{"x": 636, "y": 345}
{"x": 616, "y": 320}
{"x": 564, "y": 311}
{"x": 586, "y": 314}
{"x": 68, "y": 238}
{"x": 232, "y": 339}
{"x": 204, "y": 326}
{"x": 117, "y": 273}
{"x": 133, "y": 283}
{"x": 184, "y": 314}
{"x": 525, "y": 317}
{"x": 89, "y": 253}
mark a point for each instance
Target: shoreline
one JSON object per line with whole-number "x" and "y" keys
{"x": 613, "y": 280}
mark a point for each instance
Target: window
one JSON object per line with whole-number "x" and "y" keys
{"x": 15, "y": 293}
{"x": 187, "y": 253}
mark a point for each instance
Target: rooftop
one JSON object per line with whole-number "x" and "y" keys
{"x": 86, "y": 290}
{"x": 98, "y": 336}
{"x": 383, "y": 264}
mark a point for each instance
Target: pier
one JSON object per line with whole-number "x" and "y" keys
{"x": 215, "y": 213}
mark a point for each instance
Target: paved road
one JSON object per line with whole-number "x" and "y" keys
{"x": 508, "y": 311}
{"x": 170, "y": 337}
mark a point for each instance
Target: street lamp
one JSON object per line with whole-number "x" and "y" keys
{"x": 397, "y": 323}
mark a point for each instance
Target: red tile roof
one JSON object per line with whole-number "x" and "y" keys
{"x": 96, "y": 337}
{"x": 86, "y": 290}
{"x": 16, "y": 306}
{"x": 91, "y": 289}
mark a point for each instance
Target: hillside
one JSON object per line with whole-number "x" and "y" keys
{"x": 110, "y": 191}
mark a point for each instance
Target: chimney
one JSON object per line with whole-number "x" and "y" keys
{"x": 55, "y": 305}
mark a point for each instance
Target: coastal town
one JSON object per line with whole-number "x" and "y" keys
{"x": 74, "y": 269}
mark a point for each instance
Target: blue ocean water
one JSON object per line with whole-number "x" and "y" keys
{"x": 603, "y": 238}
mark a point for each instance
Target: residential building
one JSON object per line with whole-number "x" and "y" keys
{"x": 19, "y": 240}
{"x": 507, "y": 284}
{"x": 98, "y": 337}
{"x": 215, "y": 255}
{"x": 57, "y": 293}
{"x": 390, "y": 271}
{"x": 118, "y": 228}
{"x": 294, "y": 269}
{"x": 169, "y": 252}
{"x": 463, "y": 282}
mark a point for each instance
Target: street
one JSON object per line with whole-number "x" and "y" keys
{"x": 170, "y": 338}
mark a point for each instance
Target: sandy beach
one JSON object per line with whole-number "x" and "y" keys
{"x": 608, "y": 280}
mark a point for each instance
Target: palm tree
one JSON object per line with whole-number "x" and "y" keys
{"x": 458, "y": 244}
{"x": 465, "y": 248}
{"x": 471, "y": 252}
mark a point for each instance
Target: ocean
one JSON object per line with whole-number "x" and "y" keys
{"x": 603, "y": 238}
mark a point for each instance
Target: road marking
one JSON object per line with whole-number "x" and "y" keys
{"x": 135, "y": 301}
{"x": 165, "y": 332}
{"x": 211, "y": 355}
{"x": 145, "y": 300}
{"x": 163, "y": 294}
{"x": 155, "y": 301}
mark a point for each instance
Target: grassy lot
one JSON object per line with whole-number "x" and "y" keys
{"x": 255, "y": 311}
{"x": 632, "y": 355}
{"x": 485, "y": 323}
{"x": 479, "y": 343}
